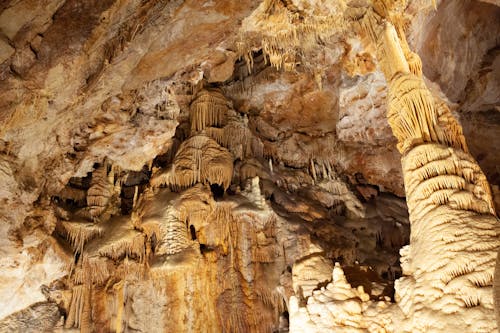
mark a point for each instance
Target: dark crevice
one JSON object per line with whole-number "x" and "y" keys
{"x": 192, "y": 230}
{"x": 217, "y": 191}
{"x": 77, "y": 256}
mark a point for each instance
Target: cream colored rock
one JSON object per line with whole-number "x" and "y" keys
{"x": 159, "y": 173}
{"x": 308, "y": 273}
{"x": 340, "y": 308}
{"x": 21, "y": 279}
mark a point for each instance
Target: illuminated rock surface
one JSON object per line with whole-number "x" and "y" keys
{"x": 229, "y": 166}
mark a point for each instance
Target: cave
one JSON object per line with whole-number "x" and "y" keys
{"x": 217, "y": 191}
{"x": 251, "y": 166}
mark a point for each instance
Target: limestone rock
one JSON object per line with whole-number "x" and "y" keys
{"x": 199, "y": 166}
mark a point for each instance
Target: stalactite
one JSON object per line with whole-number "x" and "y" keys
{"x": 313, "y": 171}
{"x": 75, "y": 194}
{"x": 165, "y": 217}
{"x": 450, "y": 131}
{"x": 73, "y": 317}
{"x": 79, "y": 310}
{"x": 223, "y": 223}
{"x": 343, "y": 196}
{"x": 270, "y": 150}
{"x": 251, "y": 168}
{"x": 236, "y": 137}
{"x": 414, "y": 63}
{"x": 136, "y": 193}
{"x": 79, "y": 233}
{"x": 100, "y": 191}
{"x": 367, "y": 21}
{"x": 85, "y": 318}
{"x": 199, "y": 159}
{"x": 120, "y": 240}
{"x": 272, "y": 299}
{"x": 411, "y": 112}
{"x": 209, "y": 108}
{"x": 92, "y": 270}
{"x": 131, "y": 244}
{"x": 286, "y": 31}
{"x": 188, "y": 207}
{"x": 217, "y": 134}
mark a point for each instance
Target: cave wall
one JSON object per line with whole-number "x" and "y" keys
{"x": 98, "y": 98}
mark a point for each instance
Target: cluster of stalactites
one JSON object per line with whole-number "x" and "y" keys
{"x": 237, "y": 137}
{"x": 99, "y": 241}
{"x": 199, "y": 159}
{"x": 251, "y": 168}
{"x": 96, "y": 195}
{"x": 172, "y": 235}
{"x": 370, "y": 21}
{"x": 131, "y": 244}
{"x": 209, "y": 108}
{"x": 164, "y": 217}
{"x": 286, "y": 31}
{"x": 85, "y": 224}
{"x": 101, "y": 191}
{"x": 95, "y": 271}
{"x": 79, "y": 310}
{"x": 78, "y": 233}
{"x": 96, "y": 265}
{"x": 416, "y": 117}
{"x": 189, "y": 207}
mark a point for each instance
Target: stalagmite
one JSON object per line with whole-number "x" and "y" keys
{"x": 343, "y": 308}
{"x": 233, "y": 166}
{"x": 442, "y": 274}
{"x": 447, "y": 268}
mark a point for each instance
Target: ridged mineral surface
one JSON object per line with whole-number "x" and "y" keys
{"x": 249, "y": 166}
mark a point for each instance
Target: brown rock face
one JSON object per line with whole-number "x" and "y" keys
{"x": 159, "y": 174}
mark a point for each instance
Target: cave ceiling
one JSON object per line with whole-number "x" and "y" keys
{"x": 155, "y": 155}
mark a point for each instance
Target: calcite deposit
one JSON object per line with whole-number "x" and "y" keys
{"x": 249, "y": 166}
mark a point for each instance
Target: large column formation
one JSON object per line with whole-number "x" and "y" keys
{"x": 449, "y": 265}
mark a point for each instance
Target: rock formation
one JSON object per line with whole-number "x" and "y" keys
{"x": 271, "y": 166}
